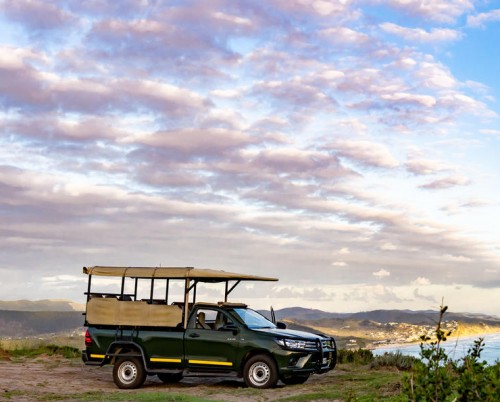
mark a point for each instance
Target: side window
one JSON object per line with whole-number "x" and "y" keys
{"x": 211, "y": 319}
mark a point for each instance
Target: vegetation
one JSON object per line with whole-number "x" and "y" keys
{"x": 436, "y": 377}
{"x": 68, "y": 352}
{"x": 75, "y": 341}
{"x": 359, "y": 376}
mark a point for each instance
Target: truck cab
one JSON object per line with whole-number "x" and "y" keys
{"x": 189, "y": 338}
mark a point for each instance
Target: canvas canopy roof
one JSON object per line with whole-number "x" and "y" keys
{"x": 198, "y": 274}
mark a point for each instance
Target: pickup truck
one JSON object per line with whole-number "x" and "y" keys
{"x": 151, "y": 336}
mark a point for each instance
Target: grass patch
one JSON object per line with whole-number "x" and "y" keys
{"x": 76, "y": 341}
{"x": 139, "y": 397}
{"x": 356, "y": 383}
{"x": 68, "y": 352}
{"x": 99, "y": 396}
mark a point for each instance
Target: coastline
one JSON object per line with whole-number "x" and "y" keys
{"x": 456, "y": 336}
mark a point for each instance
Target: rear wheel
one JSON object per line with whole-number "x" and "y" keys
{"x": 295, "y": 379}
{"x": 170, "y": 377}
{"x": 260, "y": 372}
{"x": 129, "y": 373}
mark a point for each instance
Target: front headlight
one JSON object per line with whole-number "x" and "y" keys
{"x": 291, "y": 343}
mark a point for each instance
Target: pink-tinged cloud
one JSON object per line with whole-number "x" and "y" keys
{"x": 321, "y": 8}
{"x": 21, "y": 84}
{"x": 37, "y": 15}
{"x": 366, "y": 153}
{"x": 434, "y": 76}
{"x": 344, "y": 37}
{"x": 298, "y": 163}
{"x": 51, "y": 127}
{"x": 405, "y": 98}
{"x": 447, "y": 11}
{"x": 447, "y": 182}
{"x": 210, "y": 142}
{"x": 295, "y": 94}
{"x": 426, "y": 166}
{"x": 421, "y": 35}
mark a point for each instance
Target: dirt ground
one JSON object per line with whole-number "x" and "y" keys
{"x": 47, "y": 378}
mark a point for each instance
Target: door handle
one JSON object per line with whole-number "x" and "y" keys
{"x": 194, "y": 335}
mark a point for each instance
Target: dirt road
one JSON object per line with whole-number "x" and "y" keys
{"x": 49, "y": 378}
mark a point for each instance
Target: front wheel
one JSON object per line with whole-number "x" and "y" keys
{"x": 129, "y": 373}
{"x": 260, "y": 372}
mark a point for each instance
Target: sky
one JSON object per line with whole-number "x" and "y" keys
{"x": 349, "y": 148}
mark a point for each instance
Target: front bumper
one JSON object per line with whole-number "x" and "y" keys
{"x": 306, "y": 362}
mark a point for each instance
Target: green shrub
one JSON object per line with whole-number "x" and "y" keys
{"x": 436, "y": 377}
{"x": 358, "y": 356}
{"x": 394, "y": 359}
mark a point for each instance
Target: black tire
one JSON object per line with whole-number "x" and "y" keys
{"x": 129, "y": 373}
{"x": 295, "y": 379}
{"x": 169, "y": 378}
{"x": 260, "y": 372}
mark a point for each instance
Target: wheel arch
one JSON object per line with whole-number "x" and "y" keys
{"x": 254, "y": 352}
{"x": 121, "y": 348}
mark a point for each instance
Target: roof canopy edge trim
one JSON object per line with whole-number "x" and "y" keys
{"x": 199, "y": 274}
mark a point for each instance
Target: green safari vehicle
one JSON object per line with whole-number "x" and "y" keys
{"x": 172, "y": 340}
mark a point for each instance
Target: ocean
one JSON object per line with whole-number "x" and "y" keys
{"x": 455, "y": 348}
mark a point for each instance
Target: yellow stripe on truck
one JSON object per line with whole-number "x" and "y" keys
{"x": 164, "y": 360}
{"x": 210, "y": 362}
{"x": 97, "y": 356}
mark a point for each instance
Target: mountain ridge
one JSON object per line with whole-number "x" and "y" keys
{"x": 32, "y": 318}
{"x": 41, "y": 305}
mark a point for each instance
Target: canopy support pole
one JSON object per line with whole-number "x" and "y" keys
{"x": 186, "y": 303}
{"x": 230, "y": 290}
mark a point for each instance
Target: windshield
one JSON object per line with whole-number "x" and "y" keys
{"x": 253, "y": 319}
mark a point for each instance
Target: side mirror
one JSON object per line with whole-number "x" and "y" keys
{"x": 280, "y": 325}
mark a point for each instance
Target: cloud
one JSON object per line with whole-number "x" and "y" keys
{"x": 421, "y": 281}
{"x": 195, "y": 142}
{"x": 447, "y": 182}
{"x": 382, "y": 273}
{"x": 426, "y": 166}
{"x": 37, "y": 15}
{"x": 481, "y": 19}
{"x": 388, "y": 247}
{"x": 246, "y": 136}
{"x": 305, "y": 293}
{"x": 343, "y": 36}
{"x": 421, "y": 35}
{"x": 419, "y": 296}
{"x": 378, "y": 293}
{"x": 446, "y": 11}
{"x": 365, "y": 152}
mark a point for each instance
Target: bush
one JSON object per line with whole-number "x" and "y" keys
{"x": 358, "y": 356}
{"x": 394, "y": 359}
{"x": 435, "y": 377}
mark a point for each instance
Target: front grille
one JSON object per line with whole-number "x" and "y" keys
{"x": 314, "y": 345}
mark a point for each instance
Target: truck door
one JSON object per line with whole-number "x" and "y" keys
{"x": 210, "y": 342}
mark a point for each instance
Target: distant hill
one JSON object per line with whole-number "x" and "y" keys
{"x": 41, "y": 305}
{"x": 29, "y": 323}
{"x": 422, "y": 317}
{"x": 23, "y": 318}
{"x": 301, "y": 313}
